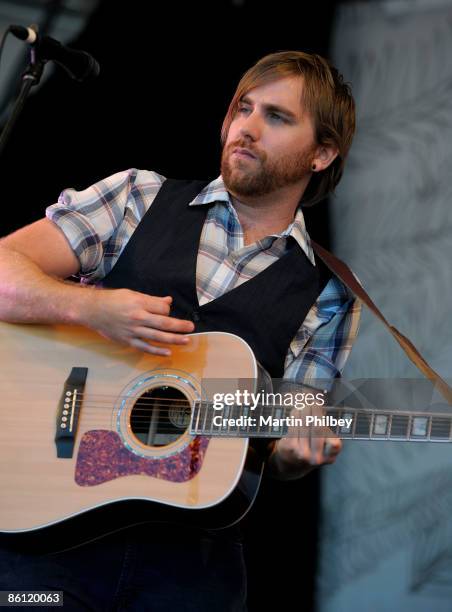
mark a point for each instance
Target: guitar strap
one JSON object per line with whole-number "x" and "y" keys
{"x": 343, "y": 272}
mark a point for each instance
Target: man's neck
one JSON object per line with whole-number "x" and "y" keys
{"x": 265, "y": 215}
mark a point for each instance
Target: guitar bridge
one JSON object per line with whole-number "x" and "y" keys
{"x": 68, "y": 412}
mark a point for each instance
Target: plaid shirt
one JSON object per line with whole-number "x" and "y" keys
{"x": 99, "y": 221}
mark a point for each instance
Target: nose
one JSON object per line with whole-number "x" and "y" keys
{"x": 250, "y": 126}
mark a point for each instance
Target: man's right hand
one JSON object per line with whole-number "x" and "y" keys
{"x": 35, "y": 260}
{"x": 134, "y": 319}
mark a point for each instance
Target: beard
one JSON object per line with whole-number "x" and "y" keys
{"x": 261, "y": 176}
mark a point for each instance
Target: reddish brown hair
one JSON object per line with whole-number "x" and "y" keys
{"x": 325, "y": 96}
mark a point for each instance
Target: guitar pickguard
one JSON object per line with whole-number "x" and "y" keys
{"x": 102, "y": 456}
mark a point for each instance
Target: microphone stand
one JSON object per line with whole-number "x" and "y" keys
{"x": 30, "y": 78}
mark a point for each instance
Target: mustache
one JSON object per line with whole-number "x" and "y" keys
{"x": 243, "y": 144}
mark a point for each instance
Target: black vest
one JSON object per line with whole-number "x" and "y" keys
{"x": 266, "y": 311}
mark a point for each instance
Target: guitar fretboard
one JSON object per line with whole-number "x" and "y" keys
{"x": 267, "y": 422}
{"x": 239, "y": 421}
{"x": 393, "y": 425}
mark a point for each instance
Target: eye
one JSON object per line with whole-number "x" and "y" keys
{"x": 276, "y": 117}
{"x": 242, "y": 109}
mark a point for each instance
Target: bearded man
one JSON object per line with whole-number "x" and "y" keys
{"x": 159, "y": 259}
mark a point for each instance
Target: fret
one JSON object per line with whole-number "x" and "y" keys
{"x": 195, "y": 417}
{"x": 371, "y": 424}
{"x": 399, "y": 426}
{"x": 419, "y": 427}
{"x": 208, "y": 418}
{"x": 235, "y": 413}
{"x": 440, "y": 429}
{"x": 244, "y": 429}
{"x": 362, "y": 425}
{"x": 354, "y": 422}
{"x": 278, "y": 413}
{"x": 344, "y": 431}
{"x": 258, "y": 412}
{"x": 336, "y": 414}
{"x": 381, "y": 425}
{"x": 195, "y": 427}
{"x": 389, "y": 426}
{"x": 224, "y": 414}
{"x": 429, "y": 433}
{"x": 204, "y": 411}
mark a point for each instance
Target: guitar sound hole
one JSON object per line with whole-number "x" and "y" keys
{"x": 160, "y": 416}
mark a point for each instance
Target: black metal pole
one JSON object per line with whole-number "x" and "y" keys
{"x": 30, "y": 78}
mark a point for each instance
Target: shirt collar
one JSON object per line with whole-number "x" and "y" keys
{"x": 216, "y": 191}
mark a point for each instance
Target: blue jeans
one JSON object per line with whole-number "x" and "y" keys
{"x": 147, "y": 568}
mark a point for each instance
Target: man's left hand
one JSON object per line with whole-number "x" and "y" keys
{"x": 302, "y": 450}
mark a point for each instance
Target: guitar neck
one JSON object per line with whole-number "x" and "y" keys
{"x": 275, "y": 421}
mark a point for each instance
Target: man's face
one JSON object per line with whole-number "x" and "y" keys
{"x": 270, "y": 143}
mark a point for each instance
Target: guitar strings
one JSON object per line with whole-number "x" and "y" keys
{"x": 149, "y": 400}
{"x": 167, "y": 405}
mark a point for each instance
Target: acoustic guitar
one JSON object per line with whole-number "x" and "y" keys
{"x": 87, "y": 424}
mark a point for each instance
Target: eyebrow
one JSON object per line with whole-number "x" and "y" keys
{"x": 272, "y": 108}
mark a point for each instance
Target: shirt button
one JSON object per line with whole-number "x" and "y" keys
{"x": 196, "y": 316}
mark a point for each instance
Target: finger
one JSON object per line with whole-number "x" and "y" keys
{"x": 316, "y": 447}
{"x": 141, "y": 345}
{"x": 301, "y": 449}
{"x": 160, "y": 336}
{"x": 168, "y": 324}
{"x": 331, "y": 449}
{"x": 158, "y": 305}
{"x": 334, "y": 445}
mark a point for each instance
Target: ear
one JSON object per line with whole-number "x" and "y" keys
{"x": 323, "y": 157}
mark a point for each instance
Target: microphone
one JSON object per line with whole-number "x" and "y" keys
{"x": 80, "y": 65}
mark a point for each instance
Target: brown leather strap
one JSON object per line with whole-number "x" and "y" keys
{"x": 343, "y": 272}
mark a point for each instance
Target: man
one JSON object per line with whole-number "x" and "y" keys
{"x": 285, "y": 139}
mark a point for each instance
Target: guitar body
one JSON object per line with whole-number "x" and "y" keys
{"x": 130, "y": 441}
